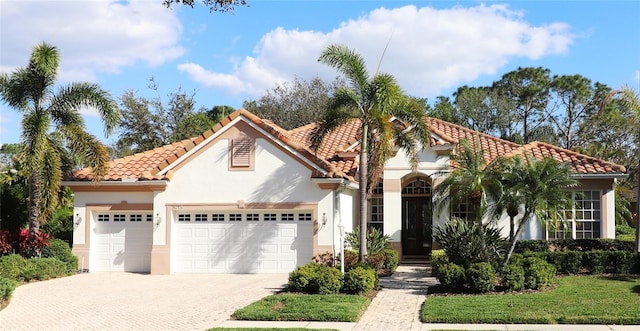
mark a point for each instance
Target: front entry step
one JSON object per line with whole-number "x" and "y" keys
{"x": 419, "y": 260}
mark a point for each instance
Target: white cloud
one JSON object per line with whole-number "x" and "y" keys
{"x": 92, "y": 36}
{"x": 429, "y": 50}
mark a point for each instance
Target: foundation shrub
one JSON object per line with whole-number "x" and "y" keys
{"x": 60, "y": 250}
{"x": 314, "y": 278}
{"x": 538, "y": 273}
{"x": 376, "y": 240}
{"x": 451, "y": 276}
{"x": 391, "y": 260}
{"x": 44, "y": 268}
{"x": 463, "y": 241}
{"x": 12, "y": 266}
{"x": 359, "y": 280}
{"x": 326, "y": 259}
{"x": 438, "y": 258}
{"x": 7, "y": 286}
{"x": 596, "y": 261}
{"x": 481, "y": 277}
{"x": 350, "y": 259}
{"x": 376, "y": 261}
{"x": 623, "y": 262}
{"x": 566, "y": 262}
{"x": 512, "y": 277}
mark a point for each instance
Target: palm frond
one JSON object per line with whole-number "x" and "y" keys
{"x": 76, "y": 96}
{"x": 347, "y": 62}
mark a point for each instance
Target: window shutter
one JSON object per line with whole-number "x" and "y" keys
{"x": 241, "y": 152}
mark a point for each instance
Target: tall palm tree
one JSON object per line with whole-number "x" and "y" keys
{"x": 378, "y": 103}
{"x": 542, "y": 191}
{"x": 52, "y": 127}
{"x": 472, "y": 182}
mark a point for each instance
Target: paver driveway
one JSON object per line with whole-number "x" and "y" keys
{"x": 126, "y": 301}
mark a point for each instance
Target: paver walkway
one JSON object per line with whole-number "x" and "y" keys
{"x": 126, "y": 301}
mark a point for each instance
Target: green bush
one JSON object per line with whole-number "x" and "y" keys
{"x": 313, "y": 278}
{"x": 376, "y": 261}
{"x": 12, "y": 266}
{"x": 391, "y": 260}
{"x": 596, "y": 261}
{"x": 60, "y": 250}
{"x": 359, "y": 280}
{"x": 513, "y": 277}
{"x": 581, "y": 245}
{"x": 7, "y": 285}
{"x": 44, "y": 268}
{"x": 566, "y": 262}
{"x": 438, "y": 258}
{"x": 538, "y": 273}
{"x": 451, "y": 276}
{"x": 623, "y": 262}
{"x": 481, "y": 277}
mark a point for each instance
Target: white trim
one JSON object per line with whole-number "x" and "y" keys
{"x": 605, "y": 176}
{"x": 116, "y": 183}
{"x": 340, "y": 181}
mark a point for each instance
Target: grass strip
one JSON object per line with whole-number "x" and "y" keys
{"x": 305, "y": 307}
{"x": 576, "y": 300}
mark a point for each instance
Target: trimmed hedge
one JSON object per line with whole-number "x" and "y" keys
{"x": 538, "y": 273}
{"x": 7, "y": 286}
{"x": 60, "y": 250}
{"x": 451, "y": 276}
{"x": 512, "y": 277}
{"x": 438, "y": 259}
{"x": 12, "y": 266}
{"x": 481, "y": 277}
{"x": 359, "y": 280}
{"x": 314, "y": 278}
{"x": 581, "y": 245}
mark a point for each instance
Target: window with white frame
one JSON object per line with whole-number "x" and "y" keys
{"x": 135, "y": 218}
{"x": 253, "y": 217}
{"x": 235, "y": 217}
{"x": 583, "y": 221}
{"x": 119, "y": 218}
{"x": 304, "y": 217}
{"x": 269, "y": 217}
{"x": 184, "y": 217}
{"x": 217, "y": 217}
{"x": 103, "y": 217}
{"x": 463, "y": 210}
{"x": 286, "y": 217}
{"x": 376, "y": 208}
{"x": 201, "y": 217}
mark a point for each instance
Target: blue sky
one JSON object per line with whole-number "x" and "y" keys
{"x": 434, "y": 46}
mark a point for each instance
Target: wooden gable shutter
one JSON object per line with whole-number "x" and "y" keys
{"x": 241, "y": 151}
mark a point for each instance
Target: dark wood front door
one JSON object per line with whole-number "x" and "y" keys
{"x": 416, "y": 225}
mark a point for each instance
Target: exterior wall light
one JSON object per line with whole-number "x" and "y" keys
{"x": 324, "y": 219}
{"x": 158, "y": 219}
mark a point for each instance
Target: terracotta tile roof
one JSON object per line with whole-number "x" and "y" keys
{"x": 338, "y": 154}
{"x": 147, "y": 165}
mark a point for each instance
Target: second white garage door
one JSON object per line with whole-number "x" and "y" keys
{"x": 241, "y": 242}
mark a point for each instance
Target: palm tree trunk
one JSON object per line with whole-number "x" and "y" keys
{"x": 34, "y": 214}
{"x": 513, "y": 240}
{"x": 362, "y": 179}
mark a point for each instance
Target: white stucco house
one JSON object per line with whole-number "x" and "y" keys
{"x": 250, "y": 197}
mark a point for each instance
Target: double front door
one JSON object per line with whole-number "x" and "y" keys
{"x": 416, "y": 225}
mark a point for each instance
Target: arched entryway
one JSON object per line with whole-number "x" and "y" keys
{"x": 417, "y": 216}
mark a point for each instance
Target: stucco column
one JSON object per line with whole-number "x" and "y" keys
{"x": 392, "y": 204}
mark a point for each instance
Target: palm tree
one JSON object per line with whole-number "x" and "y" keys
{"x": 541, "y": 188}
{"x": 53, "y": 129}
{"x": 472, "y": 182}
{"x": 379, "y": 104}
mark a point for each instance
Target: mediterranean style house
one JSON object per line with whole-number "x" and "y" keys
{"x": 250, "y": 197}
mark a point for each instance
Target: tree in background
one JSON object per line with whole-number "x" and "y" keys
{"x": 214, "y": 5}
{"x": 150, "y": 123}
{"x": 375, "y": 102}
{"x": 14, "y": 188}
{"x": 294, "y": 104}
{"x": 53, "y": 131}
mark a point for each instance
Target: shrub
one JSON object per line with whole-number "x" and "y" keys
{"x": 623, "y": 262}
{"x": 376, "y": 240}
{"x": 481, "y": 277}
{"x": 326, "y": 259}
{"x": 376, "y": 261}
{"x": 513, "y": 277}
{"x": 451, "y": 276}
{"x": 350, "y": 259}
{"x": 596, "y": 261}
{"x": 44, "y": 268}
{"x": 566, "y": 262}
{"x": 359, "y": 280}
{"x": 60, "y": 250}
{"x": 538, "y": 273}
{"x": 12, "y": 266}
{"x": 462, "y": 241}
{"x": 313, "y": 278}
{"x": 438, "y": 258}
{"x": 7, "y": 286}
{"x": 6, "y": 242}
{"x": 391, "y": 260}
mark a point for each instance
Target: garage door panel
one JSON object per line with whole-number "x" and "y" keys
{"x": 122, "y": 245}
{"x": 249, "y": 244}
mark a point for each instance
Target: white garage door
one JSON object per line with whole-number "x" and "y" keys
{"x": 242, "y": 242}
{"x": 122, "y": 242}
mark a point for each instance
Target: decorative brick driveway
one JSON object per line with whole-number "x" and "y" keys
{"x": 126, "y": 301}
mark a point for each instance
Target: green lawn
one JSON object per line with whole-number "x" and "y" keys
{"x": 305, "y": 307}
{"x": 576, "y": 300}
